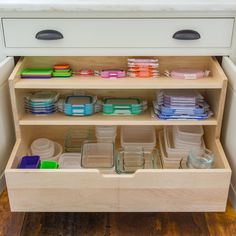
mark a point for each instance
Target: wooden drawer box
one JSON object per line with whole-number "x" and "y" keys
{"x": 89, "y": 190}
{"x": 118, "y": 33}
{"x": 93, "y": 191}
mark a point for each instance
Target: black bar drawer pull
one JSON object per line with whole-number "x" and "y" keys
{"x": 186, "y": 35}
{"x": 49, "y": 35}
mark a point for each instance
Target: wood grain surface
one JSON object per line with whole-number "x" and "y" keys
{"x": 115, "y": 224}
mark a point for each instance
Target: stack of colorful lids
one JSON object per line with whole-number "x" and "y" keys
{"x": 62, "y": 71}
{"x": 181, "y": 104}
{"x": 41, "y": 103}
{"x": 143, "y": 68}
{"x": 37, "y": 73}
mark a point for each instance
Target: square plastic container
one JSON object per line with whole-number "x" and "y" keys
{"x": 75, "y": 138}
{"x": 29, "y": 162}
{"x": 70, "y": 161}
{"x": 167, "y": 162}
{"x": 106, "y": 133}
{"x": 97, "y": 155}
{"x": 191, "y": 134}
{"x": 79, "y": 105}
{"x": 171, "y": 150}
{"x": 138, "y": 136}
{"x": 122, "y": 106}
{"x": 49, "y": 165}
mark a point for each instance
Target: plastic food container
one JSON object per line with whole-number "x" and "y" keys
{"x": 45, "y": 164}
{"x": 138, "y": 136}
{"x": 114, "y": 73}
{"x": 46, "y": 149}
{"x": 97, "y": 155}
{"x": 191, "y": 134}
{"x": 41, "y": 103}
{"x": 70, "y": 161}
{"x": 122, "y": 106}
{"x": 167, "y": 162}
{"x": 79, "y": 105}
{"x": 171, "y": 150}
{"x": 130, "y": 160}
{"x": 106, "y": 133}
{"x": 75, "y": 138}
{"x": 29, "y": 162}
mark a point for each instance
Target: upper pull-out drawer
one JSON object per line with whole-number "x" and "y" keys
{"x": 119, "y": 33}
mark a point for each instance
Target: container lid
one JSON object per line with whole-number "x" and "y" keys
{"x": 122, "y": 101}
{"x": 79, "y": 100}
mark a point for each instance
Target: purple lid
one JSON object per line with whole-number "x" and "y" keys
{"x": 29, "y": 162}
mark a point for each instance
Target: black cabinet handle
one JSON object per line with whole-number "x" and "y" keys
{"x": 49, "y": 35}
{"x": 186, "y": 35}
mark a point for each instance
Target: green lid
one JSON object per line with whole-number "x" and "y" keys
{"x": 49, "y": 165}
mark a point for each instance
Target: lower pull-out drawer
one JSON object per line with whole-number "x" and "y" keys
{"x": 89, "y": 190}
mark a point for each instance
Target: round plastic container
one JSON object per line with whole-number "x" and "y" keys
{"x": 43, "y": 147}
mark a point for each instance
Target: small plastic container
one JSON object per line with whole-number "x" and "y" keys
{"x": 46, "y": 149}
{"x": 167, "y": 162}
{"x": 29, "y": 162}
{"x": 75, "y": 138}
{"x": 113, "y": 73}
{"x": 45, "y": 164}
{"x": 191, "y": 134}
{"x": 97, "y": 155}
{"x": 122, "y": 106}
{"x": 70, "y": 161}
{"x": 171, "y": 150}
{"x": 106, "y": 133}
{"x": 79, "y": 105}
{"x": 138, "y": 136}
{"x": 43, "y": 147}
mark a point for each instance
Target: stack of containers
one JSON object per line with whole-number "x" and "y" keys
{"x": 181, "y": 104}
{"x": 46, "y": 149}
{"x": 138, "y": 136}
{"x": 41, "y": 103}
{"x": 62, "y": 70}
{"x": 143, "y": 68}
{"x": 177, "y": 141}
{"x": 106, "y": 134}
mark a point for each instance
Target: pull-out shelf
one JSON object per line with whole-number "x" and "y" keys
{"x": 89, "y": 190}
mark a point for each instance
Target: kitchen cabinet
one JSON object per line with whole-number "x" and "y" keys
{"x": 102, "y": 39}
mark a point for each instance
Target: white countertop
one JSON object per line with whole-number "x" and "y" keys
{"x": 118, "y": 5}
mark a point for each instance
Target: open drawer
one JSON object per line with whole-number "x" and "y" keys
{"x": 72, "y": 190}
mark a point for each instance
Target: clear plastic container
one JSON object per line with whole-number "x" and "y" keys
{"x": 70, "y": 161}
{"x": 97, "y": 155}
{"x": 106, "y": 133}
{"x": 138, "y": 136}
{"x": 171, "y": 150}
{"x": 192, "y": 134}
{"x": 75, "y": 137}
{"x": 167, "y": 162}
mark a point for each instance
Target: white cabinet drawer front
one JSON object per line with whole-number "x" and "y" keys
{"x": 118, "y": 33}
